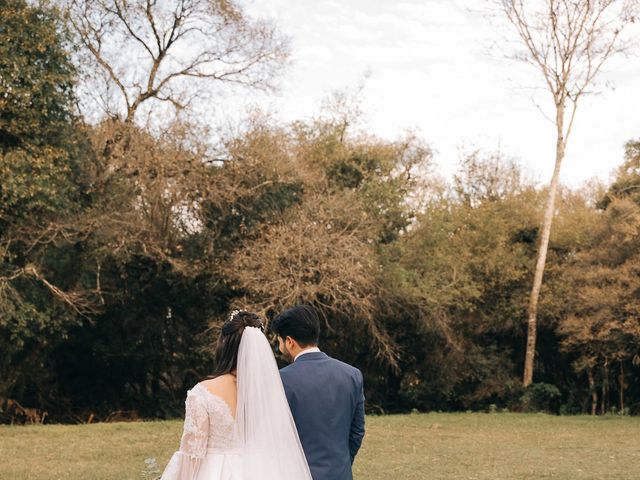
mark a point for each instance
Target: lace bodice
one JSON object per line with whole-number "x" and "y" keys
{"x": 220, "y": 419}
{"x": 208, "y": 428}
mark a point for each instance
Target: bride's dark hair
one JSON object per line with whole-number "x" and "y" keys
{"x": 226, "y": 354}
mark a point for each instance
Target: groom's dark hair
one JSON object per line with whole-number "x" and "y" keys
{"x": 300, "y": 323}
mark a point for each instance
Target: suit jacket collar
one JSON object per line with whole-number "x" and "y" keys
{"x": 307, "y": 357}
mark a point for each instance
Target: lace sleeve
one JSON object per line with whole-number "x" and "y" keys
{"x": 185, "y": 463}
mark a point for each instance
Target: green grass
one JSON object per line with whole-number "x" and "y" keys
{"x": 430, "y": 446}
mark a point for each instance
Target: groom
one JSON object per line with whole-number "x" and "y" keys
{"x": 325, "y": 395}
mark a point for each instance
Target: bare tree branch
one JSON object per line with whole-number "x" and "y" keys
{"x": 160, "y": 50}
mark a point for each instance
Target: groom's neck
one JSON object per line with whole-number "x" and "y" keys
{"x": 307, "y": 349}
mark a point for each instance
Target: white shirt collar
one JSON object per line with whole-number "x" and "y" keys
{"x": 308, "y": 350}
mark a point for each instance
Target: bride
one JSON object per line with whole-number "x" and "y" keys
{"x": 238, "y": 425}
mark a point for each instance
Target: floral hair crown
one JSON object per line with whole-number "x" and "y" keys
{"x": 234, "y": 313}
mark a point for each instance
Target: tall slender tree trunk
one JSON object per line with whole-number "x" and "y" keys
{"x": 532, "y": 324}
{"x": 605, "y": 388}
{"x": 621, "y": 387}
{"x": 594, "y": 392}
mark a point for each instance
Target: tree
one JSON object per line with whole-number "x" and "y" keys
{"x": 457, "y": 277}
{"x": 483, "y": 178}
{"x": 568, "y": 42}
{"x": 323, "y": 248}
{"x": 627, "y": 179}
{"x": 602, "y": 330}
{"x": 41, "y": 145}
{"x": 36, "y": 78}
{"x": 177, "y": 47}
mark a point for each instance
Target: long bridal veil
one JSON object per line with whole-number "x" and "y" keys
{"x": 265, "y": 428}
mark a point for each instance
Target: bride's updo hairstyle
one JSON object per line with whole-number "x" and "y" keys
{"x": 226, "y": 354}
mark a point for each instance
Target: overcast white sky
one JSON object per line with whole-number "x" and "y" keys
{"x": 433, "y": 70}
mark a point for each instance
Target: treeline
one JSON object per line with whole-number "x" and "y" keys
{"x": 123, "y": 248}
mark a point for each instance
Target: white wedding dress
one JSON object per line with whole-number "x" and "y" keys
{"x": 261, "y": 442}
{"x": 207, "y": 449}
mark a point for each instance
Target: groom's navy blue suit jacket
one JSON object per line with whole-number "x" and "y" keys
{"x": 327, "y": 402}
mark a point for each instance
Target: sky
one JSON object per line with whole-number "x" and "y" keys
{"x": 441, "y": 68}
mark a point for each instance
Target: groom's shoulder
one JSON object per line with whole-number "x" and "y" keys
{"x": 287, "y": 369}
{"x": 288, "y": 372}
{"x": 346, "y": 367}
{"x": 325, "y": 362}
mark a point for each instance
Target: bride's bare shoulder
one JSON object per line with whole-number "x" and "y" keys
{"x": 221, "y": 385}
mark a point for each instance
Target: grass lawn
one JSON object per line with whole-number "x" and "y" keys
{"x": 426, "y": 446}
